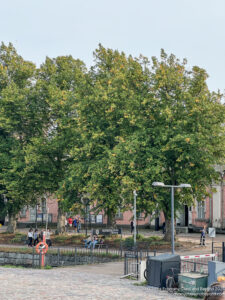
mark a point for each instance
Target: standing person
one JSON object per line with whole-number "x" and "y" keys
{"x": 75, "y": 224}
{"x": 30, "y": 237}
{"x": 70, "y": 221}
{"x": 202, "y": 237}
{"x": 48, "y": 238}
{"x": 36, "y": 240}
{"x": 41, "y": 234}
{"x": 131, "y": 226}
{"x": 78, "y": 225}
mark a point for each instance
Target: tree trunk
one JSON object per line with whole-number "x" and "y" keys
{"x": 11, "y": 228}
{"x": 111, "y": 221}
{"x": 61, "y": 221}
{"x": 168, "y": 233}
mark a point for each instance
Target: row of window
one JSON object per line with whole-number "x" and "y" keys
{"x": 95, "y": 218}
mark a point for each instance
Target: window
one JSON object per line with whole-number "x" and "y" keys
{"x": 140, "y": 216}
{"x": 201, "y": 209}
{"x": 99, "y": 219}
{"x": 43, "y": 205}
{"x": 92, "y": 218}
{"x": 119, "y": 215}
{"x": 23, "y": 212}
{"x": 32, "y": 214}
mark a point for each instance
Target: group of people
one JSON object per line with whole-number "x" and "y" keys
{"x": 92, "y": 241}
{"x": 76, "y": 223}
{"x": 34, "y": 237}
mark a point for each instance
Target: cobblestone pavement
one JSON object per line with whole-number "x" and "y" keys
{"x": 81, "y": 282}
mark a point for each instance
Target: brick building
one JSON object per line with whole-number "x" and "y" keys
{"x": 211, "y": 212}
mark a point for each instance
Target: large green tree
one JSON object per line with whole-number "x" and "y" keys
{"x": 145, "y": 122}
{"x": 60, "y": 85}
{"x": 19, "y": 122}
{"x": 182, "y": 136}
{"x": 107, "y": 115}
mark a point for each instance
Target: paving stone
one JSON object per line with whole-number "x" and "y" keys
{"x": 73, "y": 283}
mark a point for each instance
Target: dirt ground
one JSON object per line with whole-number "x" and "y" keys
{"x": 189, "y": 242}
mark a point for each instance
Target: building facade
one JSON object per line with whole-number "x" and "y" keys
{"x": 210, "y": 212}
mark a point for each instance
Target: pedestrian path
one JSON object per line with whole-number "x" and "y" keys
{"x": 81, "y": 282}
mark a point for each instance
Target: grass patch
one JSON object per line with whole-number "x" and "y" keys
{"x": 48, "y": 267}
{"x": 12, "y": 266}
{"x": 66, "y": 239}
{"x": 16, "y": 250}
{"x": 144, "y": 283}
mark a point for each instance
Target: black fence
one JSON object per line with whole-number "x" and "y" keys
{"x": 79, "y": 256}
{"x": 132, "y": 260}
{"x": 58, "y": 256}
{"x": 114, "y": 249}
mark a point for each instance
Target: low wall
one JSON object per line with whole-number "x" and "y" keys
{"x": 64, "y": 260}
{"x": 30, "y": 260}
{"x": 54, "y": 260}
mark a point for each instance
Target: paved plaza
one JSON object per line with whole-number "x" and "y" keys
{"x": 80, "y": 282}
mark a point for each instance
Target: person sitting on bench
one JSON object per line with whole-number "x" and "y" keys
{"x": 87, "y": 242}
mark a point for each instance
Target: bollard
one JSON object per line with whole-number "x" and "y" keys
{"x": 75, "y": 256}
{"x": 58, "y": 255}
{"x": 33, "y": 258}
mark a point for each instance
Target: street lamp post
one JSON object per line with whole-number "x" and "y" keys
{"x": 183, "y": 185}
{"x": 85, "y": 202}
{"x": 135, "y": 218}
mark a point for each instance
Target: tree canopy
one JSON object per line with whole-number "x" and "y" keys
{"x": 105, "y": 131}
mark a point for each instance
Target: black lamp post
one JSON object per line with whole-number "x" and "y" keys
{"x": 85, "y": 202}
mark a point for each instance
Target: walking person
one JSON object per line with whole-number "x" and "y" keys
{"x": 36, "y": 240}
{"x": 75, "y": 224}
{"x": 131, "y": 227}
{"x": 202, "y": 237}
{"x": 164, "y": 227}
{"x": 30, "y": 237}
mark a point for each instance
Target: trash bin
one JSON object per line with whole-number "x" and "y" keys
{"x": 159, "y": 267}
{"x": 193, "y": 284}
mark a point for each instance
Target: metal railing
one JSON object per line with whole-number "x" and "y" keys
{"x": 219, "y": 248}
{"x": 132, "y": 261}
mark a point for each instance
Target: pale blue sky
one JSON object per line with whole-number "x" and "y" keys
{"x": 194, "y": 29}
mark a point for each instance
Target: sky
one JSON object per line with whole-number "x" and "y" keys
{"x": 192, "y": 29}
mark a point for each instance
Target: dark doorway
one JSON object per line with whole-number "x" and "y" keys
{"x": 186, "y": 215}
